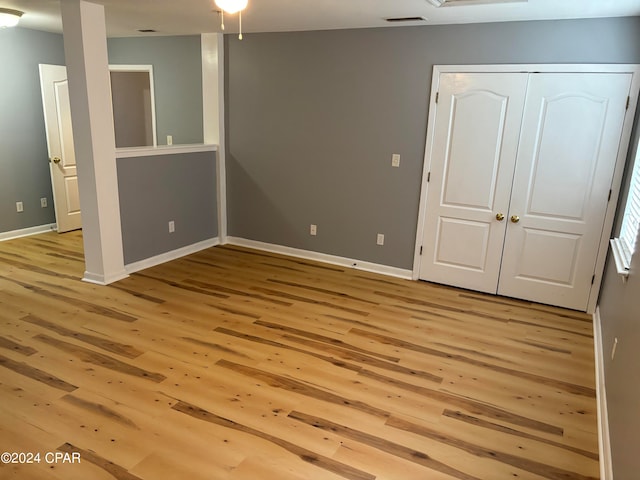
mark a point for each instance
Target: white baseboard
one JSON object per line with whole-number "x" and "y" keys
{"x": 172, "y": 255}
{"x": 25, "y": 232}
{"x": 604, "y": 441}
{"x": 322, "y": 257}
{"x": 99, "y": 279}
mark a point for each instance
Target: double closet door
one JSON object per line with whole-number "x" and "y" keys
{"x": 521, "y": 167}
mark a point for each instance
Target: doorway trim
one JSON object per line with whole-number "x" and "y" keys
{"x": 632, "y": 69}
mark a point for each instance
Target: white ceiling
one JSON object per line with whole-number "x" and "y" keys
{"x": 181, "y": 17}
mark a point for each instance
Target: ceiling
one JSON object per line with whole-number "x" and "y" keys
{"x": 183, "y": 17}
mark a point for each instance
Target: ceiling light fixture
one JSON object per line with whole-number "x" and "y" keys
{"x": 231, "y": 7}
{"x": 462, "y": 3}
{"x": 9, "y": 17}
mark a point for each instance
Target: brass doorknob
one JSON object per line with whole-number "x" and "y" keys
{"x": 515, "y": 218}
{"x": 55, "y": 160}
{"x": 499, "y": 216}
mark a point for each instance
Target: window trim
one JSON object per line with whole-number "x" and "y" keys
{"x": 619, "y": 257}
{"x": 623, "y": 249}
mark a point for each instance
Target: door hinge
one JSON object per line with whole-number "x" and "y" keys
{"x": 593, "y": 279}
{"x": 428, "y": 177}
{"x": 628, "y": 102}
{"x": 437, "y": 96}
{"x": 609, "y": 198}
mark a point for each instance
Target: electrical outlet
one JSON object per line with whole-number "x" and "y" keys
{"x": 172, "y": 226}
{"x": 395, "y": 160}
{"x": 169, "y": 139}
{"x": 380, "y": 239}
{"x": 313, "y": 229}
{"x": 19, "y": 207}
{"x": 43, "y": 202}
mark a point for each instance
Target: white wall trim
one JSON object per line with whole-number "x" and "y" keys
{"x": 322, "y": 257}
{"x": 25, "y": 232}
{"x": 604, "y": 441}
{"x": 541, "y": 68}
{"x": 222, "y": 149}
{"x": 99, "y": 279}
{"x": 212, "y": 46}
{"x": 172, "y": 255}
{"x": 132, "y": 152}
{"x": 210, "y": 87}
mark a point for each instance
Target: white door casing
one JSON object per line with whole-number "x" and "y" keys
{"x": 473, "y": 154}
{"x": 571, "y": 134}
{"x": 64, "y": 178}
{"x": 534, "y": 273}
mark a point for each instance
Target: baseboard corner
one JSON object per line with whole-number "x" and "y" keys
{"x": 171, "y": 255}
{"x": 604, "y": 440}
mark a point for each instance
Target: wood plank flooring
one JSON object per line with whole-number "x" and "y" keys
{"x": 234, "y": 364}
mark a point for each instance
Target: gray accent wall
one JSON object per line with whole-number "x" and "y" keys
{"x": 314, "y": 117}
{"x": 177, "y": 71}
{"x": 619, "y": 305}
{"x": 157, "y": 189}
{"x": 24, "y": 170}
{"x": 24, "y": 167}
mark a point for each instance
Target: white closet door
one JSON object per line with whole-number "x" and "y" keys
{"x": 473, "y": 152}
{"x": 570, "y": 137}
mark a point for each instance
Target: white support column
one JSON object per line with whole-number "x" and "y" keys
{"x": 212, "y": 46}
{"x": 85, "y": 48}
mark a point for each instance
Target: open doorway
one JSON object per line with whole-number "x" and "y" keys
{"x": 133, "y": 103}
{"x": 132, "y": 97}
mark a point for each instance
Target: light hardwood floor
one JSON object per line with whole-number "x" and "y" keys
{"x": 236, "y": 364}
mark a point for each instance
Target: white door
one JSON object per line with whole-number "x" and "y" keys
{"x": 571, "y": 134}
{"x": 473, "y": 150}
{"x": 64, "y": 178}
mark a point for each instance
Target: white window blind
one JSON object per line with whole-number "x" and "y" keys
{"x": 626, "y": 243}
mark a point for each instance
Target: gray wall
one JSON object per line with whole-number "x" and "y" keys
{"x": 132, "y": 113}
{"x": 24, "y": 168}
{"x": 177, "y": 71}
{"x": 154, "y": 190}
{"x": 620, "y": 316}
{"x": 314, "y": 117}
{"x": 182, "y": 188}
{"x": 24, "y": 171}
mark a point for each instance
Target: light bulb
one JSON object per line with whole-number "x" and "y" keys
{"x": 231, "y": 6}
{"x": 9, "y": 17}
